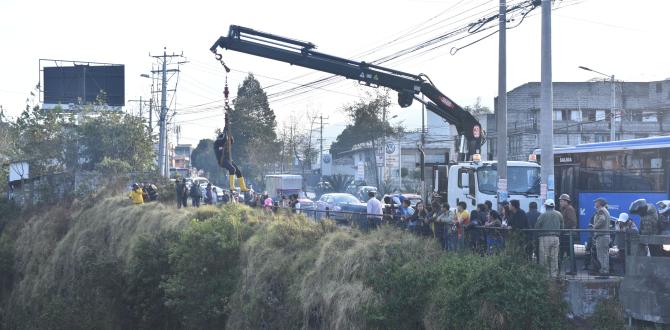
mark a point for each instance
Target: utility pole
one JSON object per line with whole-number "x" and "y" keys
{"x": 162, "y": 117}
{"x": 383, "y": 147}
{"x": 613, "y": 111}
{"x": 422, "y": 153}
{"x": 501, "y": 116}
{"x": 547, "y": 109}
{"x": 321, "y": 147}
{"x": 613, "y": 114}
{"x": 141, "y": 103}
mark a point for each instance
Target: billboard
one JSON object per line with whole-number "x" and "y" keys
{"x": 81, "y": 84}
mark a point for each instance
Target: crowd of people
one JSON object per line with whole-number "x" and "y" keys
{"x": 481, "y": 229}
{"x": 542, "y": 235}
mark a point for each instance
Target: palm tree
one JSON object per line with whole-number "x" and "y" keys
{"x": 339, "y": 182}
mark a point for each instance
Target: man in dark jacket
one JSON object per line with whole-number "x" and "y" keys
{"x": 196, "y": 195}
{"x": 532, "y": 214}
{"x": 179, "y": 186}
{"x": 518, "y": 220}
{"x": 569, "y": 222}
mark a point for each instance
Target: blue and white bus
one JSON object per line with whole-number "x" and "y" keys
{"x": 619, "y": 171}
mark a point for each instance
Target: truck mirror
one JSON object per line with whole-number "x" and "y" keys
{"x": 465, "y": 179}
{"x": 472, "y": 184}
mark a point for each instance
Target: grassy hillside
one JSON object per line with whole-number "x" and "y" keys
{"x": 111, "y": 265}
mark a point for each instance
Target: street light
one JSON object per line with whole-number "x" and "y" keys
{"x": 613, "y": 103}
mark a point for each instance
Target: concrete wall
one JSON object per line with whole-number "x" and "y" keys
{"x": 582, "y": 296}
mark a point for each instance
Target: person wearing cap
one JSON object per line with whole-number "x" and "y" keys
{"x": 569, "y": 222}
{"x": 550, "y": 221}
{"x": 624, "y": 226}
{"x": 601, "y": 221}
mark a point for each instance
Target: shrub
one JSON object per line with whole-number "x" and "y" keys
{"x": 498, "y": 292}
{"x": 205, "y": 267}
{"x": 144, "y": 295}
{"x": 608, "y": 315}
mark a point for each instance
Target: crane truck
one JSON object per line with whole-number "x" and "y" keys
{"x": 469, "y": 179}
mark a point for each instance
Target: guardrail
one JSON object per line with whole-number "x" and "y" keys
{"x": 576, "y": 258}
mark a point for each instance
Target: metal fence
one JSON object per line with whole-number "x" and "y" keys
{"x": 576, "y": 259}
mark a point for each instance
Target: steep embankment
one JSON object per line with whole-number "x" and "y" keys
{"x": 117, "y": 266}
{"x": 64, "y": 255}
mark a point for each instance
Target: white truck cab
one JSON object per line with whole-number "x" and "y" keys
{"x": 475, "y": 183}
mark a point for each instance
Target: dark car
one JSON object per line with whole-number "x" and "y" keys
{"x": 341, "y": 206}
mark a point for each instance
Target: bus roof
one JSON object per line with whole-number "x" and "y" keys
{"x": 633, "y": 144}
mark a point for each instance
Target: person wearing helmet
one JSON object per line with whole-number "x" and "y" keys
{"x": 648, "y": 221}
{"x": 624, "y": 226}
{"x": 569, "y": 222}
{"x": 136, "y": 194}
{"x": 664, "y": 217}
{"x": 601, "y": 221}
{"x": 550, "y": 221}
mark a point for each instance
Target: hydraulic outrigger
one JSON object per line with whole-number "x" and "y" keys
{"x": 407, "y": 85}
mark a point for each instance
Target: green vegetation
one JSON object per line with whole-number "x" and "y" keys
{"x": 608, "y": 315}
{"x": 108, "y": 264}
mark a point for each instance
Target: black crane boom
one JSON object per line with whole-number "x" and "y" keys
{"x": 407, "y": 85}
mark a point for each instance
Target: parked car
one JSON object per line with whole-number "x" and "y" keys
{"x": 197, "y": 180}
{"x": 413, "y": 198}
{"x": 340, "y": 206}
{"x": 219, "y": 191}
{"x": 306, "y": 204}
{"x": 363, "y": 192}
{"x": 352, "y": 187}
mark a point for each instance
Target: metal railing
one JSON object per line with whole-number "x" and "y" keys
{"x": 576, "y": 259}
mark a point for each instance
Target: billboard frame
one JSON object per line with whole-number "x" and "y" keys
{"x": 73, "y": 63}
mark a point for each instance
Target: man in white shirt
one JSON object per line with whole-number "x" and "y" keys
{"x": 374, "y": 210}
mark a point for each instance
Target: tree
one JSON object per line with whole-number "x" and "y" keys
{"x": 339, "y": 182}
{"x": 203, "y": 158}
{"x": 253, "y": 126}
{"x": 365, "y": 123}
{"x": 115, "y": 136}
{"x": 40, "y": 138}
{"x": 478, "y": 109}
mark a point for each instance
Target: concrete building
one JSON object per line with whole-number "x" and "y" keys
{"x": 181, "y": 156}
{"x": 403, "y": 159}
{"x": 581, "y": 114}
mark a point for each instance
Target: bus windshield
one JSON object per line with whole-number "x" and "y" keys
{"x": 520, "y": 180}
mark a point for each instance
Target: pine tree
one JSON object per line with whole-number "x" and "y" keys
{"x": 253, "y": 125}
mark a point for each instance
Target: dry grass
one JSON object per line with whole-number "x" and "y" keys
{"x": 54, "y": 245}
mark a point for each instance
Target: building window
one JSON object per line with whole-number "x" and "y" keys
{"x": 588, "y": 115}
{"x": 575, "y": 115}
{"x": 602, "y": 137}
{"x": 649, "y": 117}
{"x": 586, "y": 138}
{"x": 514, "y": 146}
{"x": 558, "y": 115}
{"x": 600, "y": 115}
{"x": 659, "y": 87}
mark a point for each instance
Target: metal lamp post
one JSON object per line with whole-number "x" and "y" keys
{"x": 613, "y": 101}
